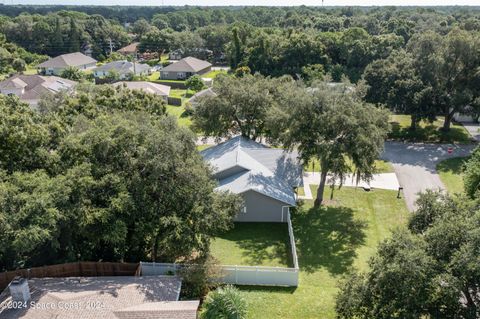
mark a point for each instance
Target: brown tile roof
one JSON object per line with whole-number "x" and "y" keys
{"x": 131, "y": 48}
{"x": 102, "y": 297}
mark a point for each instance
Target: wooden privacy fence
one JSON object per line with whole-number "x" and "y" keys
{"x": 238, "y": 275}
{"x": 77, "y": 269}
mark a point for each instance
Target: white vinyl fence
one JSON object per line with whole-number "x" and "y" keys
{"x": 238, "y": 275}
{"x": 241, "y": 275}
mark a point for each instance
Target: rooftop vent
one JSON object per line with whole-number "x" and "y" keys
{"x": 19, "y": 290}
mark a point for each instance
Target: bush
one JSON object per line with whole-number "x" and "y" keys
{"x": 198, "y": 277}
{"x": 195, "y": 83}
{"x": 224, "y": 303}
{"x": 471, "y": 178}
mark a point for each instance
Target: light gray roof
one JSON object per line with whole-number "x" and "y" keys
{"x": 118, "y": 297}
{"x": 241, "y": 164}
{"x": 123, "y": 67}
{"x": 35, "y": 86}
{"x": 188, "y": 64}
{"x": 148, "y": 87}
{"x": 200, "y": 94}
{"x": 65, "y": 60}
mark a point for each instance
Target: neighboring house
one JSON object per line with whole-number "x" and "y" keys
{"x": 175, "y": 55}
{"x": 30, "y": 88}
{"x": 185, "y": 68}
{"x": 130, "y": 49}
{"x": 87, "y": 49}
{"x": 121, "y": 297}
{"x": 199, "y": 95}
{"x": 55, "y": 66}
{"x": 265, "y": 177}
{"x": 125, "y": 69}
{"x": 468, "y": 115}
{"x": 148, "y": 87}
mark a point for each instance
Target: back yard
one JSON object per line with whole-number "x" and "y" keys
{"x": 330, "y": 241}
{"x": 254, "y": 244}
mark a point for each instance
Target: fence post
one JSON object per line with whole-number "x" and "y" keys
{"x": 236, "y": 274}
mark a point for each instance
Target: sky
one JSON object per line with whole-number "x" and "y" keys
{"x": 252, "y": 2}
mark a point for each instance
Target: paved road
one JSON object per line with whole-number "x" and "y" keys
{"x": 415, "y": 165}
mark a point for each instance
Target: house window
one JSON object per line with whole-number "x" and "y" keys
{"x": 244, "y": 209}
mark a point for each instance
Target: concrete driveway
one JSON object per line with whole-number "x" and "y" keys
{"x": 415, "y": 165}
{"x": 473, "y": 129}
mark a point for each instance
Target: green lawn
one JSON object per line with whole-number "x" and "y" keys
{"x": 154, "y": 76}
{"x": 254, "y": 244}
{"x": 329, "y": 241}
{"x": 381, "y": 166}
{"x": 427, "y": 132}
{"x": 451, "y": 173}
{"x": 179, "y": 113}
{"x": 213, "y": 74}
{"x": 203, "y": 147}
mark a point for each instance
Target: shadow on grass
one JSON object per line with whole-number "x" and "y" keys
{"x": 281, "y": 290}
{"x": 261, "y": 242}
{"x": 327, "y": 237}
{"x": 430, "y": 133}
{"x": 453, "y": 165}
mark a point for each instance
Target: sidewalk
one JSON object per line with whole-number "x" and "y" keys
{"x": 473, "y": 129}
{"x": 381, "y": 181}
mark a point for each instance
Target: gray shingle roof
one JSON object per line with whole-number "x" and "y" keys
{"x": 148, "y": 87}
{"x": 188, "y": 64}
{"x": 65, "y": 60}
{"x": 117, "y": 297}
{"x": 36, "y": 85}
{"x": 123, "y": 67}
{"x": 200, "y": 94}
{"x": 241, "y": 164}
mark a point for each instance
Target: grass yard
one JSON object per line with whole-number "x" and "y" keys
{"x": 381, "y": 166}
{"x": 203, "y": 147}
{"x": 213, "y": 74}
{"x": 427, "y": 132}
{"x": 179, "y": 113}
{"x": 329, "y": 241}
{"x": 154, "y": 76}
{"x": 254, "y": 244}
{"x": 451, "y": 173}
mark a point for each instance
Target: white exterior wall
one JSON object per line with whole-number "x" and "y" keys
{"x": 17, "y": 92}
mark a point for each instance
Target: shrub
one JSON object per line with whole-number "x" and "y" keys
{"x": 224, "y": 303}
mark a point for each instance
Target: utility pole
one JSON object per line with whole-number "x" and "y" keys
{"x": 111, "y": 45}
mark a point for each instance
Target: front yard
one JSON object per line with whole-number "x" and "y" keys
{"x": 451, "y": 173}
{"x": 330, "y": 241}
{"x": 381, "y": 166}
{"x": 427, "y": 132}
{"x": 254, "y": 244}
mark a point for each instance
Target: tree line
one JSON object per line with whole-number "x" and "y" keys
{"x": 103, "y": 175}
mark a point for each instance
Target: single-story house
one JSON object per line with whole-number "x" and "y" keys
{"x": 30, "y": 88}
{"x": 185, "y": 68}
{"x": 55, "y": 66}
{"x": 130, "y": 49}
{"x": 199, "y": 95}
{"x": 148, "y": 87}
{"x": 120, "y": 297}
{"x": 265, "y": 177}
{"x": 175, "y": 54}
{"x": 125, "y": 69}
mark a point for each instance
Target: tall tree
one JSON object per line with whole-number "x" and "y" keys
{"x": 239, "y": 106}
{"x": 334, "y": 128}
{"x": 449, "y": 65}
{"x": 431, "y": 270}
{"x": 74, "y": 37}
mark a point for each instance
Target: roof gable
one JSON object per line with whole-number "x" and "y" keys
{"x": 188, "y": 64}
{"x": 65, "y": 60}
{"x": 241, "y": 164}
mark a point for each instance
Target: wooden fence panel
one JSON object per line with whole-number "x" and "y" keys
{"x": 78, "y": 269}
